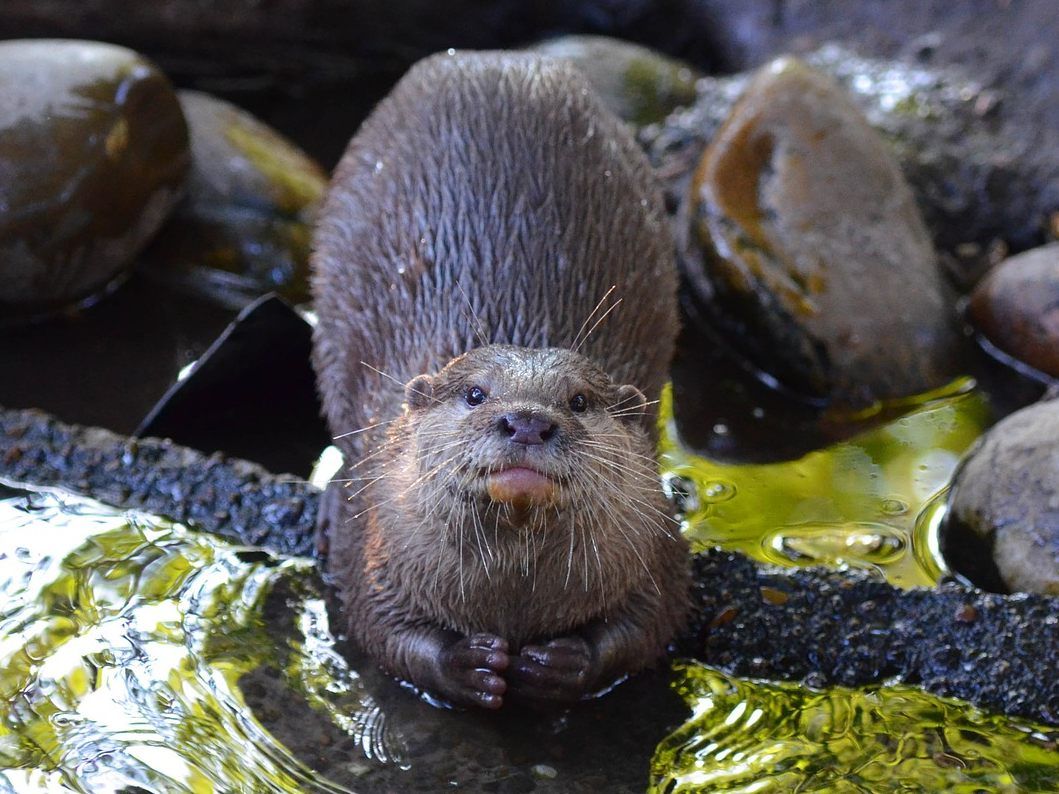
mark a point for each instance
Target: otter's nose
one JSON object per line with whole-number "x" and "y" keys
{"x": 523, "y": 428}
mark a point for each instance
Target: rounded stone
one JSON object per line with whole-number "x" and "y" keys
{"x": 1016, "y": 307}
{"x": 93, "y": 154}
{"x": 805, "y": 247}
{"x": 1004, "y": 508}
{"x": 244, "y": 228}
{"x": 636, "y": 83}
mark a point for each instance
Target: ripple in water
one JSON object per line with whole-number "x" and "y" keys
{"x": 758, "y": 737}
{"x": 122, "y": 640}
{"x": 871, "y": 502}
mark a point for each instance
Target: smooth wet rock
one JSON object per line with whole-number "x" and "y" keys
{"x": 1016, "y": 307}
{"x": 93, "y": 154}
{"x": 804, "y": 244}
{"x": 639, "y": 85}
{"x": 980, "y": 170}
{"x": 1005, "y": 502}
{"x": 244, "y": 228}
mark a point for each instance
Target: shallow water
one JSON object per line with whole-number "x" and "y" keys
{"x": 137, "y": 655}
{"x": 745, "y": 736}
{"x": 872, "y": 502}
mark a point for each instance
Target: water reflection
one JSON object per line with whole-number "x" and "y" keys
{"x": 745, "y": 736}
{"x": 121, "y": 641}
{"x": 873, "y": 501}
{"x": 136, "y": 655}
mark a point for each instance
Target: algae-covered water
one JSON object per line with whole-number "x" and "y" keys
{"x": 139, "y": 655}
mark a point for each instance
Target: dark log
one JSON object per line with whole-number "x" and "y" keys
{"x": 314, "y": 40}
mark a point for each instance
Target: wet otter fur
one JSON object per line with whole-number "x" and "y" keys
{"x": 496, "y": 299}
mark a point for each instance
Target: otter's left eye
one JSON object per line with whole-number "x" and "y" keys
{"x": 474, "y": 396}
{"x": 578, "y": 403}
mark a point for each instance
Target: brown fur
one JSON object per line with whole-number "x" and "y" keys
{"x": 490, "y": 199}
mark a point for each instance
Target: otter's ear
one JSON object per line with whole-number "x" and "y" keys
{"x": 419, "y": 392}
{"x": 630, "y": 404}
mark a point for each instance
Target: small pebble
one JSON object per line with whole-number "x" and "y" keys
{"x": 726, "y": 615}
{"x": 545, "y": 772}
{"x": 966, "y": 614}
{"x": 774, "y": 596}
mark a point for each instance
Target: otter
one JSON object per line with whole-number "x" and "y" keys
{"x": 495, "y": 289}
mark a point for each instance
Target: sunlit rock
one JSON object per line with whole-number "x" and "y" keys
{"x": 244, "y": 228}
{"x": 979, "y": 171}
{"x": 806, "y": 247}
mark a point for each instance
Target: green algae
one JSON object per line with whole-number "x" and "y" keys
{"x": 654, "y": 87}
{"x": 296, "y": 183}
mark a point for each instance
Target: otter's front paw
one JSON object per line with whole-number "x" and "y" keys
{"x": 470, "y": 671}
{"x": 559, "y": 671}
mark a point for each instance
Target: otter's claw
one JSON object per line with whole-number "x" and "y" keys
{"x": 559, "y": 671}
{"x": 470, "y": 671}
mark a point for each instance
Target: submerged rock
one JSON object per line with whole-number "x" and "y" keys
{"x": 244, "y": 228}
{"x": 805, "y": 245}
{"x": 1016, "y": 307}
{"x": 979, "y": 171}
{"x": 639, "y": 85}
{"x": 1004, "y": 509}
{"x": 93, "y": 154}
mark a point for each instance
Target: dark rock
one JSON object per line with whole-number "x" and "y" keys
{"x": 1005, "y": 498}
{"x": 979, "y": 172}
{"x": 1005, "y": 45}
{"x": 255, "y": 375}
{"x": 233, "y": 498}
{"x": 1017, "y": 308}
{"x": 93, "y": 153}
{"x": 637, "y": 84}
{"x": 805, "y": 244}
{"x": 828, "y": 627}
{"x": 244, "y": 228}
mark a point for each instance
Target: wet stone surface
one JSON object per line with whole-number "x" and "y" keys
{"x": 806, "y": 247}
{"x": 244, "y": 227}
{"x": 602, "y": 745}
{"x": 849, "y": 629}
{"x": 1016, "y": 307}
{"x": 231, "y": 497}
{"x": 639, "y": 85}
{"x": 1004, "y": 524}
{"x": 93, "y": 154}
{"x": 814, "y": 625}
{"x": 979, "y": 169}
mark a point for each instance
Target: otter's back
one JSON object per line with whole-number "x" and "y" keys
{"x": 490, "y": 198}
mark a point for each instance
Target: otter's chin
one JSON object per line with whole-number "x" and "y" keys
{"x": 521, "y": 487}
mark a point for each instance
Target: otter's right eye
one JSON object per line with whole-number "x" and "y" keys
{"x": 474, "y": 396}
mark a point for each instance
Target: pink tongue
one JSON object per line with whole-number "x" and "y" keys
{"x": 520, "y": 486}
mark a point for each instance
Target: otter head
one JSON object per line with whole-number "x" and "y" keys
{"x": 523, "y": 432}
